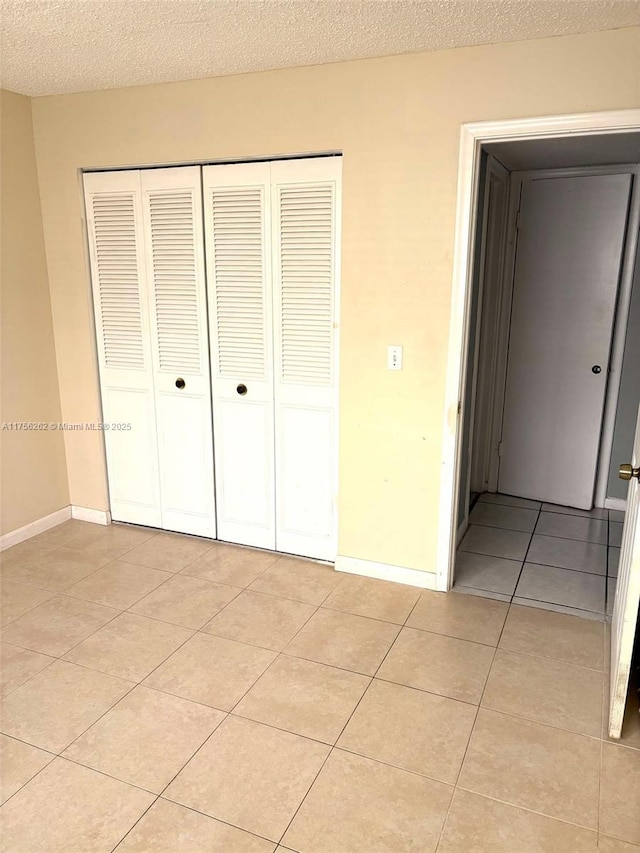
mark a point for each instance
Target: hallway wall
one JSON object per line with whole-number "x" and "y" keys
{"x": 629, "y": 396}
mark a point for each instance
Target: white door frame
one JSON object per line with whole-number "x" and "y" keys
{"x": 472, "y": 137}
{"x": 485, "y": 363}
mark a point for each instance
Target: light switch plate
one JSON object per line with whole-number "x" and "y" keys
{"x": 394, "y": 358}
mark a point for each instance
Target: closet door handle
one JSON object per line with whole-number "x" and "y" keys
{"x": 180, "y": 383}
{"x": 241, "y": 389}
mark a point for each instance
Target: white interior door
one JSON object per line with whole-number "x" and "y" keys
{"x": 306, "y": 253}
{"x": 272, "y": 236}
{"x": 569, "y": 254}
{"x": 625, "y": 610}
{"x": 237, "y": 204}
{"x": 116, "y": 241}
{"x": 175, "y": 281}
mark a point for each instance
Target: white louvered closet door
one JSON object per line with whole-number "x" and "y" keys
{"x": 237, "y": 217}
{"x": 115, "y": 229}
{"x": 306, "y": 250}
{"x": 175, "y": 277}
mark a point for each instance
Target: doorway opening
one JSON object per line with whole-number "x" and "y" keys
{"x": 551, "y": 282}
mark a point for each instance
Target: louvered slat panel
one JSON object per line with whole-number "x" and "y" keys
{"x": 116, "y": 265}
{"x": 237, "y": 217}
{"x": 306, "y": 274}
{"x": 173, "y": 253}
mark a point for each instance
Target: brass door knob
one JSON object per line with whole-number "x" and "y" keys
{"x": 626, "y": 471}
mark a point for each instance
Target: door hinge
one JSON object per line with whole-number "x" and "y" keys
{"x": 517, "y": 225}
{"x": 459, "y": 406}
{"x": 499, "y": 449}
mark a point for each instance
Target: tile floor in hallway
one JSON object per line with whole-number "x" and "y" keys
{"x": 163, "y": 693}
{"x": 541, "y": 555}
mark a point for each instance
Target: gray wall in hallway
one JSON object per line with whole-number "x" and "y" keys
{"x": 629, "y": 396}
{"x": 465, "y": 455}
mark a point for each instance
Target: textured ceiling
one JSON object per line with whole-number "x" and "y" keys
{"x": 59, "y": 46}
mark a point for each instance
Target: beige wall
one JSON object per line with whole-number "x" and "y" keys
{"x": 33, "y": 467}
{"x": 397, "y": 122}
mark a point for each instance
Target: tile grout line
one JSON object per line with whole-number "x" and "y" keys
{"x": 479, "y": 705}
{"x": 278, "y": 654}
{"x": 77, "y": 763}
{"x": 28, "y": 586}
{"x": 88, "y": 553}
{"x": 240, "y": 589}
{"x": 174, "y": 625}
{"x": 531, "y": 811}
{"x": 554, "y": 660}
{"x": 53, "y": 755}
{"x": 255, "y": 645}
{"x": 595, "y": 616}
{"x": 71, "y": 648}
{"x": 603, "y": 722}
{"x": 131, "y": 828}
{"x": 473, "y": 725}
{"x": 61, "y": 660}
{"x": 121, "y": 612}
{"x": 597, "y": 830}
{"x": 246, "y": 588}
{"x": 62, "y": 594}
{"x": 603, "y": 716}
{"x": 562, "y": 609}
{"x": 600, "y": 613}
{"x": 532, "y": 563}
{"x": 457, "y": 785}
{"x": 554, "y": 727}
{"x": 287, "y": 654}
{"x": 333, "y": 747}
{"x": 444, "y": 696}
{"x": 524, "y": 560}
{"x": 195, "y": 811}
{"x": 557, "y": 508}
{"x": 547, "y": 535}
{"x": 266, "y": 725}
{"x": 160, "y": 795}
{"x": 180, "y": 769}
{"x": 86, "y": 550}
{"x": 226, "y": 713}
{"x": 135, "y": 684}
{"x": 27, "y": 680}
{"x": 540, "y": 512}
{"x": 205, "y": 814}
{"x": 111, "y": 707}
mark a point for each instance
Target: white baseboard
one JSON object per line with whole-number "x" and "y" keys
{"x": 95, "y": 516}
{"x": 385, "y": 572}
{"x": 35, "y": 527}
{"x": 82, "y": 513}
{"x": 615, "y": 503}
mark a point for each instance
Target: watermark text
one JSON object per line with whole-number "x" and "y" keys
{"x": 64, "y": 426}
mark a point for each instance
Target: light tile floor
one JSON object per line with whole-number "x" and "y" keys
{"x": 541, "y": 555}
{"x": 164, "y": 693}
